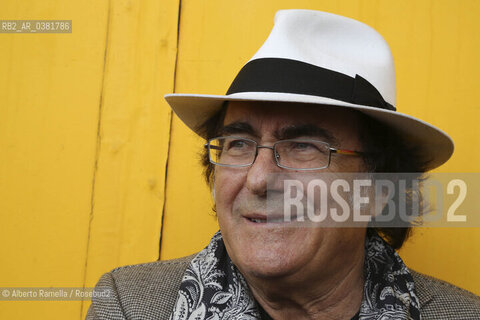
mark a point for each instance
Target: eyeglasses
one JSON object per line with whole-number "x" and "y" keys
{"x": 292, "y": 154}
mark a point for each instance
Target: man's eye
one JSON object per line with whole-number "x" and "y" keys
{"x": 300, "y": 146}
{"x": 237, "y": 144}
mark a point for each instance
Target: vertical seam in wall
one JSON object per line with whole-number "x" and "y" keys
{"x": 170, "y": 130}
{"x": 97, "y": 154}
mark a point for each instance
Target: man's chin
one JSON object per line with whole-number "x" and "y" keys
{"x": 269, "y": 272}
{"x": 267, "y": 266}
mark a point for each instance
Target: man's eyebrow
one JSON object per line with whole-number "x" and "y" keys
{"x": 307, "y": 130}
{"x": 238, "y": 127}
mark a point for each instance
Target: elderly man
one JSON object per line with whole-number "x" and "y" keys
{"x": 318, "y": 97}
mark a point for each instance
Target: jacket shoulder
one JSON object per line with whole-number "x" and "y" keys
{"x": 142, "y": 291}
{"x": 442, "y": 300}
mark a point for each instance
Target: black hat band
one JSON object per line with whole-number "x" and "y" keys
{"x": 292, "y": 76}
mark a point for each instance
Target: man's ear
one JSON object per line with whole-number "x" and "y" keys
{"x": 382, "y": 197}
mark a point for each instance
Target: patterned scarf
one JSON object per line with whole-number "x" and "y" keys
{"x": 212, "y": 288}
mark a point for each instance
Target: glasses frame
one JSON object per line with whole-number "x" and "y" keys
{"x": 276, "y": 156}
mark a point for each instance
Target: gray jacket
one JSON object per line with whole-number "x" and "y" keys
{"x": 149, "y": 291}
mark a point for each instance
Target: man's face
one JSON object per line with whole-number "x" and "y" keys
{"x": 280, "y": 249}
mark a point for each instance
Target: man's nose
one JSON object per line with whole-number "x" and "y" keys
{"x": 261, "y": 171}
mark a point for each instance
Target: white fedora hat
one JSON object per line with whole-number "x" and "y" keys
{"x": 326, "y": 59}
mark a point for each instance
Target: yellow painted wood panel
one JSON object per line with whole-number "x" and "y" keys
{"x": 84, "y": 133}
{"x": 436, "y": 47}
{"x": 50, "y": 86}
{"x": 134, "y": 135}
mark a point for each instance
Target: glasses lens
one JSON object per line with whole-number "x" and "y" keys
{"x": 232, "y": 151}
{"x": 303, "y": 154}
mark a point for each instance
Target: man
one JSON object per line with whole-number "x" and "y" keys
{"x": 318, "y": 97}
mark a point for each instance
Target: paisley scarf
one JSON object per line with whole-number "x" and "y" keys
{"x": 212, "y": 288}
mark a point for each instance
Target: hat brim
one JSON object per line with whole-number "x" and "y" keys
{"x": 434, "y": 145}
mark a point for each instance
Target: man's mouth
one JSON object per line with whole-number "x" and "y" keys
{"x": 276, "y": 219}
{"x": 257, "y": 220}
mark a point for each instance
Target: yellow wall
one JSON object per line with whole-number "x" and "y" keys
{"x": 94, "y": 170}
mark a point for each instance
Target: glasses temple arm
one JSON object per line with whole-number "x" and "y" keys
{"x": 345, "y": 152}
{"x": 212, "y": 147}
